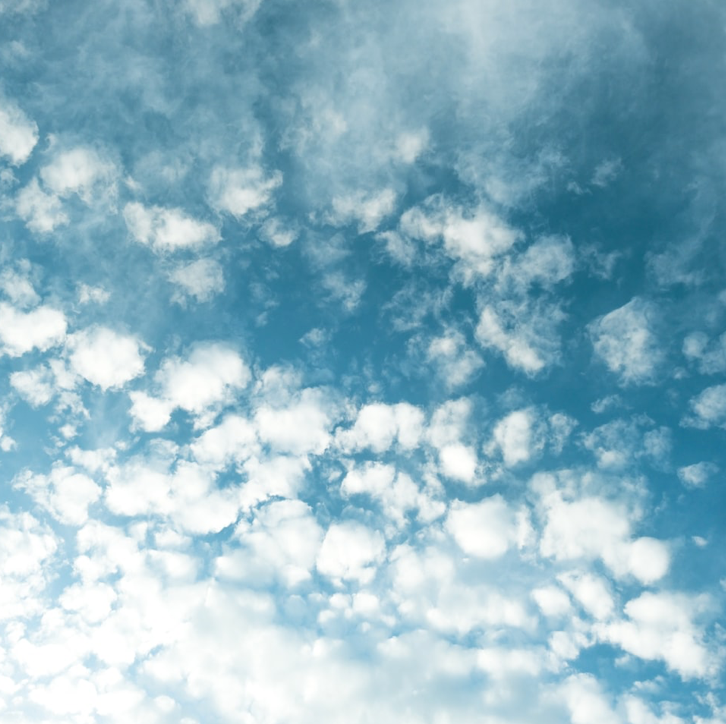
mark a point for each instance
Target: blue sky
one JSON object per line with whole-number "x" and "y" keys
{"x": 362, "y": 362}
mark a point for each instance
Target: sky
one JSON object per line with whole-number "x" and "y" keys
{"x": 362, "y": 362}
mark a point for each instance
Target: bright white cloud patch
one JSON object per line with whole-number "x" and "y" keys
{"x": 350, "y": 551}
{"x": 238, "y": 191}
{"x": 41, "y": 212}
{"x": 167, "y": 230}
{"x": 625, "y": 341}
{"x": 21, "y": 332}
{"x": 200, "y": 279}
{"x": 18, "y": 134}
{"x": 485, "y": 530}
{"x": 105, "y": 357}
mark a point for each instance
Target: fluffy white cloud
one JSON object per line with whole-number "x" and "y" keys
{"x": 458, "y": 462}
{"x": 300, "y": 425}
{"x": 21, "y": 332}
{"x": 281, "y": 542}
{"x": 238, "y": 191}
{"x": 697, "y": 475}
{"x": 379, "y": 425}
{"x": 368, "y": 210}
{"x": 105, "y": 358}
{"x": 455, "y": 364}
{"x": 18, "y": 288}
{"x": 486, "y": 529}
{"x": 81, "y": 171}
{"x": 34, "y": 386}
{"x": 351, "y": 551}
{"x": 586, "y": 702}
{"x": 201, "y": 279}
{"x": 167, "y": 230}
{"x": 661, "y": 626}
{"x": 40, "y": 211}
{"x": 591, "y": 527}
{"x": 18, "y": 134}
{"x": 709, "y": 408}
{"x": 516, "y": 437}
{"x": 65, "y": 493}
{"x": 516, "y": 342}
{"x": 624, "y": 340}
{"x": 202, "y": 384}
{"x": 473, "y": 238}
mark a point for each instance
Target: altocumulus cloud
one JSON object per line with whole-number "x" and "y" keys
{"x": 362, "y": 363}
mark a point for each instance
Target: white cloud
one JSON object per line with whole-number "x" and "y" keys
{"x": 277, "y": 234}
{"x": 455, "y": 364}
{"x": 697, "y": 475}
{"x": 368, "y": 210}
{"x": 590, "y": 528}
{"x": 201, "y": 279}
{"x": 486, "y": 529}
{"x": 516, "y": 342}
{"x": 97, "y": 295}
{"x": 167, "y": 229}
{"x": 458, "y": 462}
{"x": 21, "y": 332}
{"x": 238, "y": 191}
{"x": 351, "y": 551}
{"x": 472, "y": 238}
{"x": 281, "y": 542}
{"x": 586, "y": 701}
{"x": 592, "y": 592}
{"x": 233, "y": 440}
{"x": 34, "y": 386}
{"x": 379, "y": 425}
{"x": 660, "y": 626}
{"x": 624, "y": 340}
{"x": 106, "y": 358}
{"x": 300, "y": 425}
{"x": 396, "y": 492}
{"x": 516, "y": 437}
{"x": 40, "y": 211}
{"x": 552, "y": 601}
{"x": 81, "y": 171}
{"x": 709, "y": 408}
{"x": 65, "y": 493}
{"x": 202, "y": 384}
{"x": 18, "y": 134}
{"x": 18, "y": 289}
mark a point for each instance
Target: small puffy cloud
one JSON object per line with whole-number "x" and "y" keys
{"x": 517, "y": 437}
{"x": 18, "y": 289}
{"x": 697, "y": 475}
{"x": 40, "y": 211}
{"x": 368, "y": 210}
{"x": 34, "y": 386}
{"x": 351, "y": 551}
{"x": 201, "y": 279}
{"x": 708, "y": 355}
{"x": 547, "y": 262}
{"x": 300, "y": 425}
{"x": 378, "y": 426}
{"x": 591, "y": 592}
{"x": 276, "y": 233}
{"x": 21, "y": 332}
{"x": 590, "y": 528}
{"x": 661, "y": 626}
{"x": 166, "y": 230}
{"x": 625, "y": 342}
{"x": 232, "y": 440}
{"x": 237, "y": 191}
{"x": 96, "y": 295}
{"x": 65, "y": 493}
{"x": 455, "y": 363}
{"x": 105, "y": 358}
{"x": 486, "y": 529}
{"x": 552, "y": 601}
{"x": 79, "y": 171}
{"x": 396, "y": 492}
{"x": 473, "y": 238}
{"x": 708, "y": 408}
{"x": 586, "y": 702}
{"x": 458, "y": 461}
{"x": 18, "y": 134}
{"x": 207, "y": 380}
{"x": 281, "y": 542}
{"x": 521, "y": 346}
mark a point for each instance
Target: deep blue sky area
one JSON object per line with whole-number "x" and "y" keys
{"x": 362, "y": 362}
